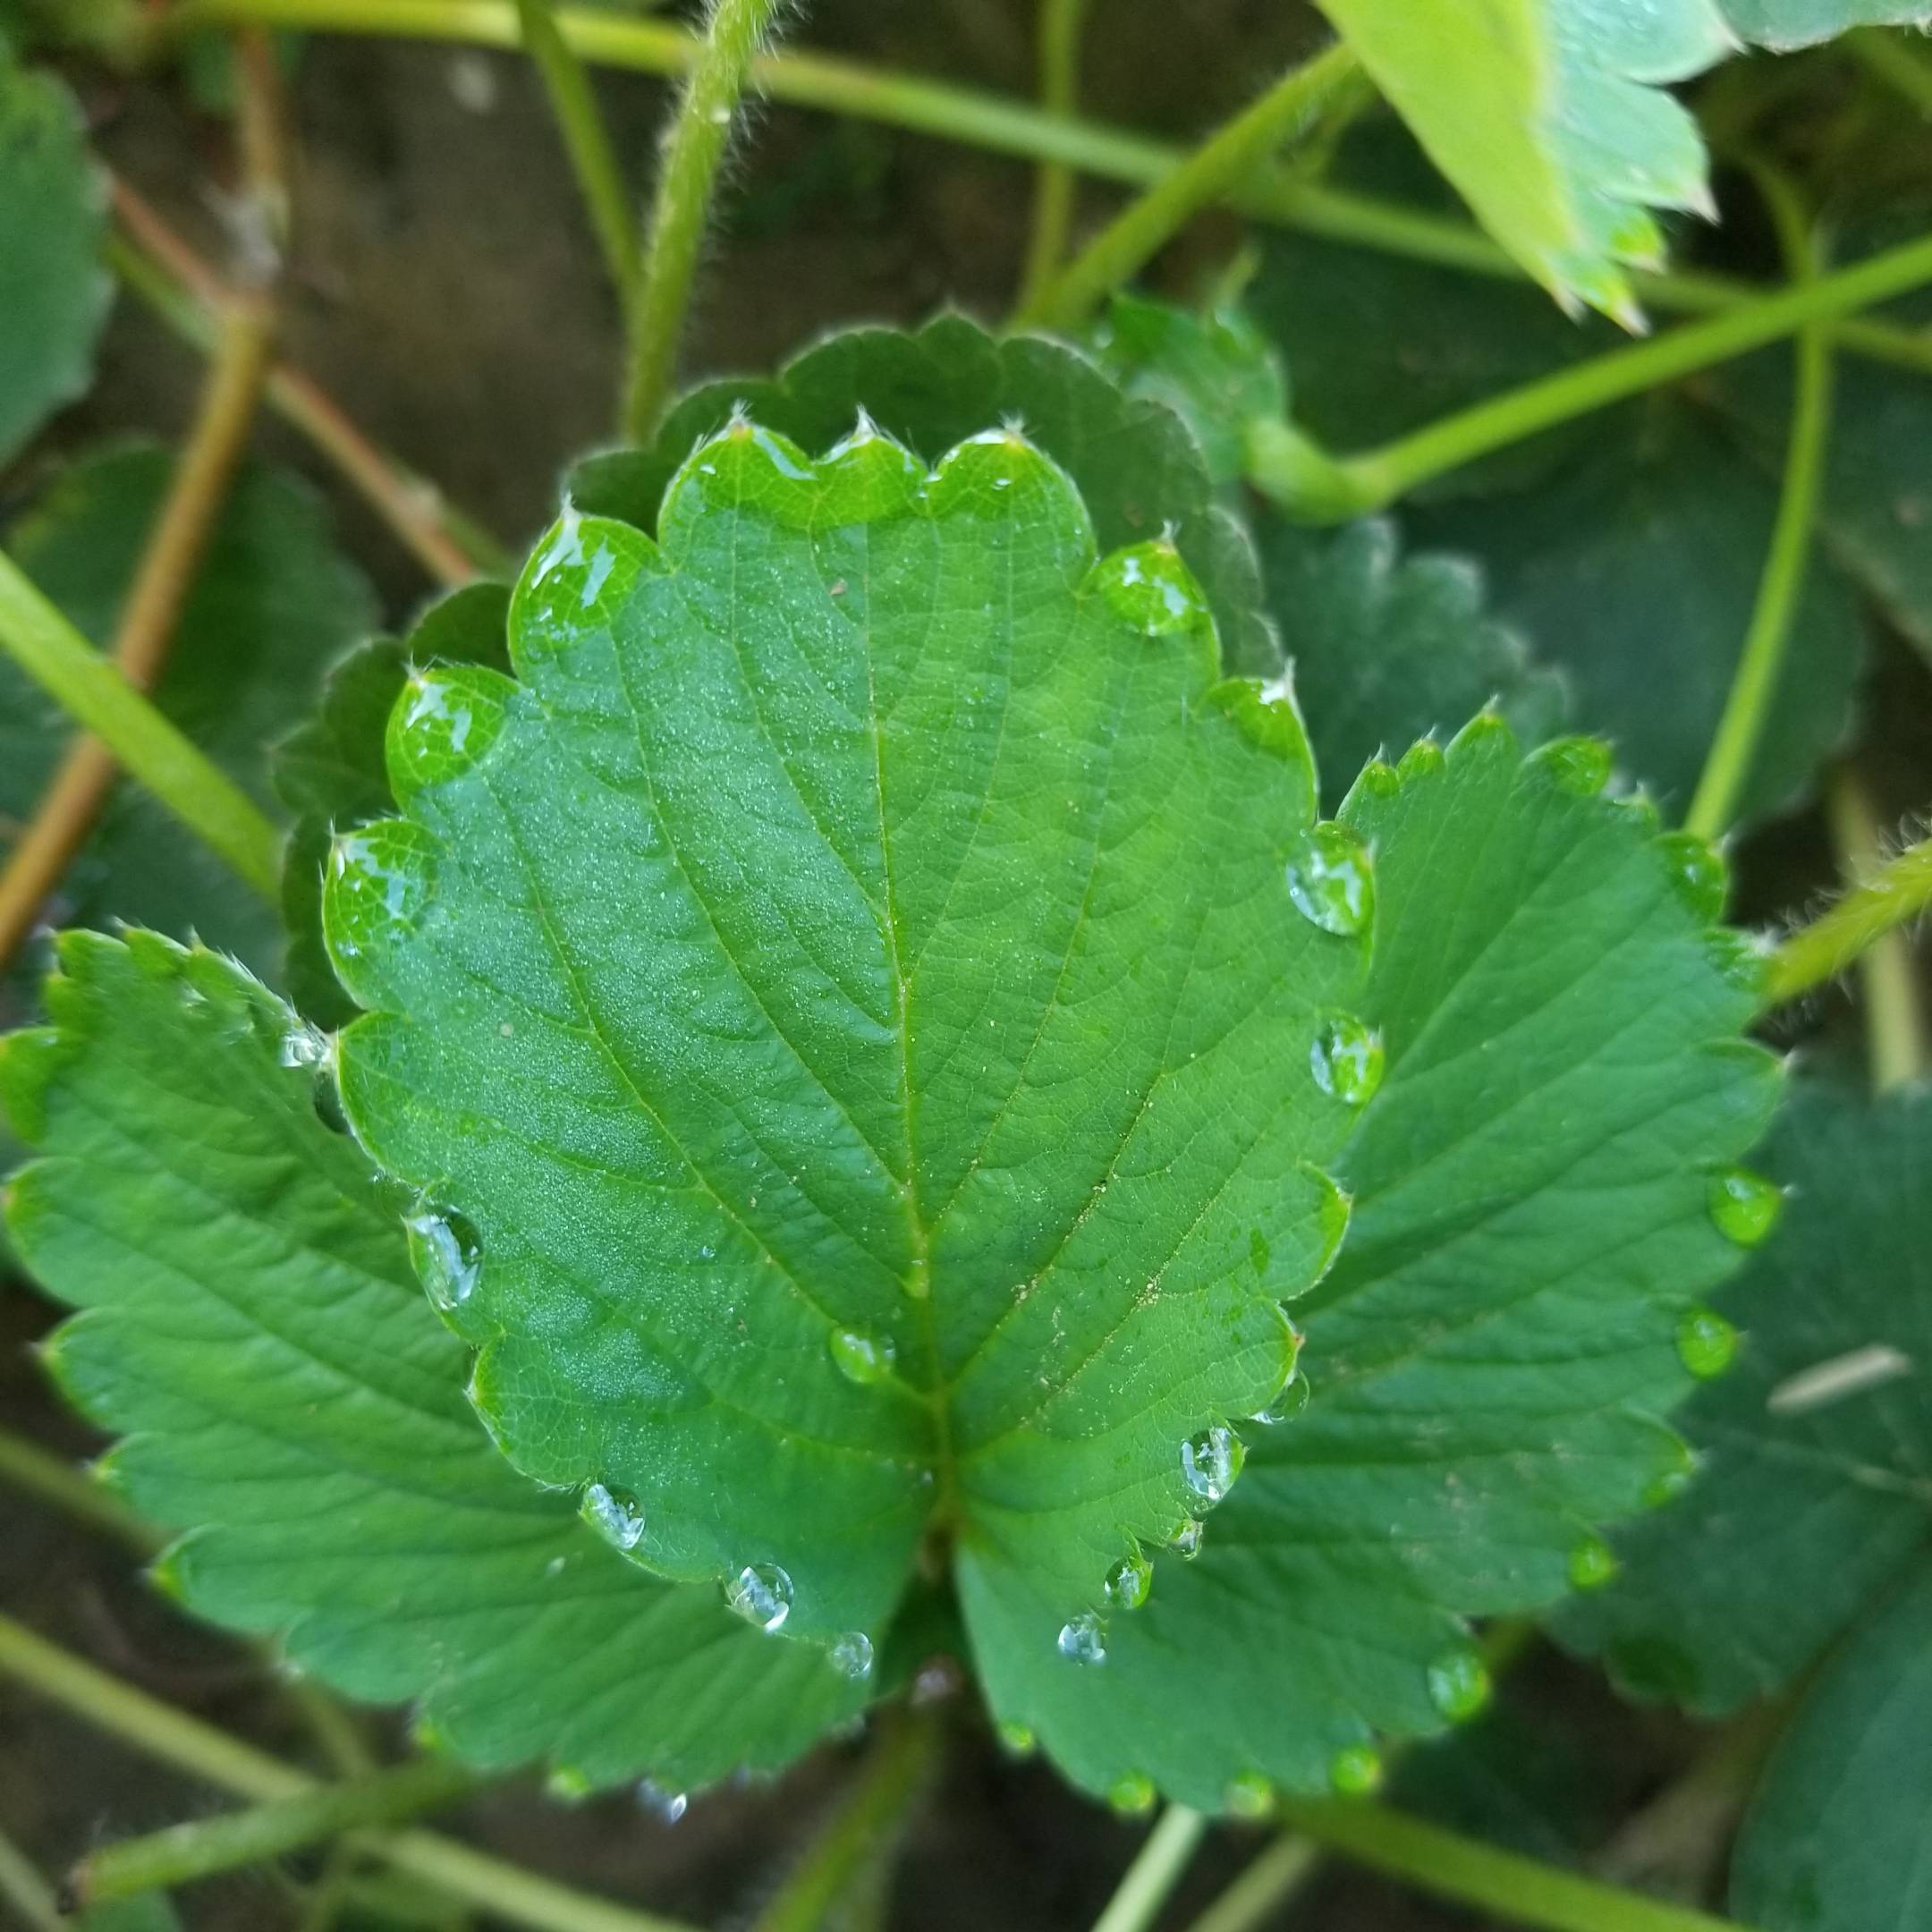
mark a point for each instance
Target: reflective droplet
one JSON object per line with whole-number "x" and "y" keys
{"x": 667, "y": 1807}
{"x": 1422, "y": 760}
{"x": 302, "y": 1046}
{"x": 1149, "y": 587}
{"x": 852, "y": 1655}
{"x": 1346, "y": 1060}
{"x": 761, "y": 1594}
{"x": 861, "y": 1358}
{"x": 1458, "y": 1684}
{"x": 1580, "y": 766}
{"x": 1696, "y": 868}
{"x": 1211, "y": 1461}
{"x": 1133, "y": 1795}
{"x": 448, "y": 716}
{"x": 615, "y": 1514}
{"x": 447, "y": 1254}
{"x": 1129, "y": 1581}
{"x": 1592, "y": 1563}
{"x": 1356, "y": 1770}
{"x": 567, "y": 1784}
{"x": 1249, "y": 1796}
{"x": 1380, "y": 780}
{"x": 1017, "y": 1740}
{"x": 1082, "y": 1639}
{"x": 1186, "y": 1542}
{"x": 1330, "y": 879}
{"x": 381, "y": 880}
{"x": 1744, "y": 1204}
{"x": 1707, "y": 1343}
{"x": 1289, "y": 1402}
{"x": 1668, "y": 1484}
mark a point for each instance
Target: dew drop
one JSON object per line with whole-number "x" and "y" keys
{"x": 1744, "y": 1204}
{"x": 1356, "y": 1770}
{"x": 1188, "y": 1536}
{"x": 1695, "y": 868}
{"x": 851, "y": 1656}
{"x": 1248, "y": 1796}
{"x": 1459, "y": 1683}
{"x": 1346, "y": 1060}
{"x": 1289, "y": 1402}
{"x": 1579, "y": 766}
{"x": 1133, "y": 1795}
{"x": 667, "y": 1807}
{"x": 1422, "y": 760}
{"x": 1016, "y": 1739}
{"x": 567, "y": 1784}
{"x": 861, "y": 1358}
{"x": 1149, "y": 587}
{"x": 761, "y": 1594}
{"x": 1707, "y": 1343}
{"x": 1129, "y": 1581}
{"x": 615, "y": 1514}
{"x": 1330, "y": 879}
{"x": 1592, "y": 1563}
{"x": 1210, "y": 1461}
{"x": 448, "y": 1257}
{"x": 1082, "y": 1639}
{"x": 1668, "y": 1484}
{"x": 302, "y": 1046}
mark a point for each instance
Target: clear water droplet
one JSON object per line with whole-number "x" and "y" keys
{"x": 1082, "y": 1639}
{"x": 1210, "y": 1461}
{"x": 448, "y": 1256}
{"x": 1744, "y": 1204}
{"x": 615, "y": 1514}
{"x": 1697, "y": 870}
{"x": 1248, "y": 1796}
{"x": 761, "y": 1594}
{"x": 1592, "y": 1563}
{"x": 1150, "y": 587}
{"x": 851, "y": 1656}
{"x": 1579, "y": 766}
{"x": 1330, "y": 879}
{"x": 1016, "y": 1739}
{"x": 1129, "y": 1581}
{"x": 302, "y": 1046}
{"x": 1668, "y": 1484}
{"x": 1356, "y": 1770}
{"x": 1459, "y": 1683}
{"x": 1707, "y": 1343}
{"x": 1133, "y": 1795}
{"x": 1346, "y": 1060}
{"x": 1289, "y": 1402}
{"x": 567, "y": 1784}
{"x": 667, "y": 1807}
{"x": 1422, "y": 760}
{"x": 1189, "y": 1534}
{"x": 861, "y": 1358}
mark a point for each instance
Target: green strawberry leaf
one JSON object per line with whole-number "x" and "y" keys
{"x": 251, "y": 1326}
{"x": 1835, "y": 1838}
{"x": 1552, "y": 118}
{"x": 1816, "y": 1455}
{"x": 1492, "y": 1355}
{"x": 1134, "y": 462}
{"x": 54, "y": 290}
{"x": 857, "y": 987}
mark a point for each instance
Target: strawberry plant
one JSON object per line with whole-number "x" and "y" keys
{"x": 1093, "y": 1035}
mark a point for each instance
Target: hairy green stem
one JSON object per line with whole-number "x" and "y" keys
{"x": 587, "y": 141}
{"x": 1061, "y": 23}
{"x": 1522, "y": 1890}
{"x": 1155, "y": 1872}
{"x": 1774, "y": 613}
{"x": 492, "y": 1885}
{"x": 199, "y": 1849}
{"x": 1310, "y": 483}
{"x": 151, "y": 751}
{"x": 691, "y": 154}
{"x": 1220, "y": 163}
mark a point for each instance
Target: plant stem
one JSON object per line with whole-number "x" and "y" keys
{"x": 1727, "y": 764}
{"x": 1891, "y": 60}
{"x": 23, "y": 1889}
{"x": 492, "y": 1885}
{"x": 1326, "y": 489}
{"x": 691, "y": 154}
{"x": 1895, "y": 1027}
{"x": 1522, "y": 1890}
{"x": 1155, "y": 1871}
{"x": 1226, "y": 159}
{"x": 1061, "y": 23}
{"x": 53, "y": 1479}
{"x": 587, "y": 141}
{"x": 1897, "y": 891}
{"x": 205, "y": 1846}
{"x": 895, "y": 1776}
{"x": 1275, "y": 1876}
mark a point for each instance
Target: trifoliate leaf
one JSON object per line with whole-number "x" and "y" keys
{"x": 250, "y": 1324}
{"x": 859, "y": 987}
{"x": 1384, "y": 649}
{"x": 1551, "y": 117}
{"x": 54, "y": 290}
{"x": 274, "y": 602}
{"x": 1835, "y": 1838}
{"x": 1491, "y": 1359}
{"x": 1133, "y": 461}
{"x": 1816, "y": 1453}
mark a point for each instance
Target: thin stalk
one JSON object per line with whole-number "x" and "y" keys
{"x": 1155, "y": 1872}
{"x": 1325, "y": 488}
{"x": 1886, "y": 56}
{"x": 1061, "y": 24}
{"x": 1001, "y": 126}
{"x": 1522, "y": 1890}
{"x": 1257, "y": 1894}
{"x": 492, "y": 1885}
{"x": 1897, "y": 892}
{"x": 1895, "y": 1027}
{"x": 587, "y": 143}
{"x": 89, "y": 688}
{"x": 149, "y": 617}
{"x": 1728, "y": 763}
{"x": 25, "y": 1891}
{"x": 1220, "y": 164}
{"x": 692, "y": 152}
{"x": 895, "y": 1776}
{"x": 203, "y": 1847}
{"x": 38, "y": 1472}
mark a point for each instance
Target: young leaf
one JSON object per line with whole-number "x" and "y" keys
{"x": 1134, "y": 462}
{"x": 249, "y": 1324}
{"x": 53, "y": 291}
{"x": 859, "y": 985}
{"x": 1495, "y": 1348}
{"x": 1816, "y": 1453}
